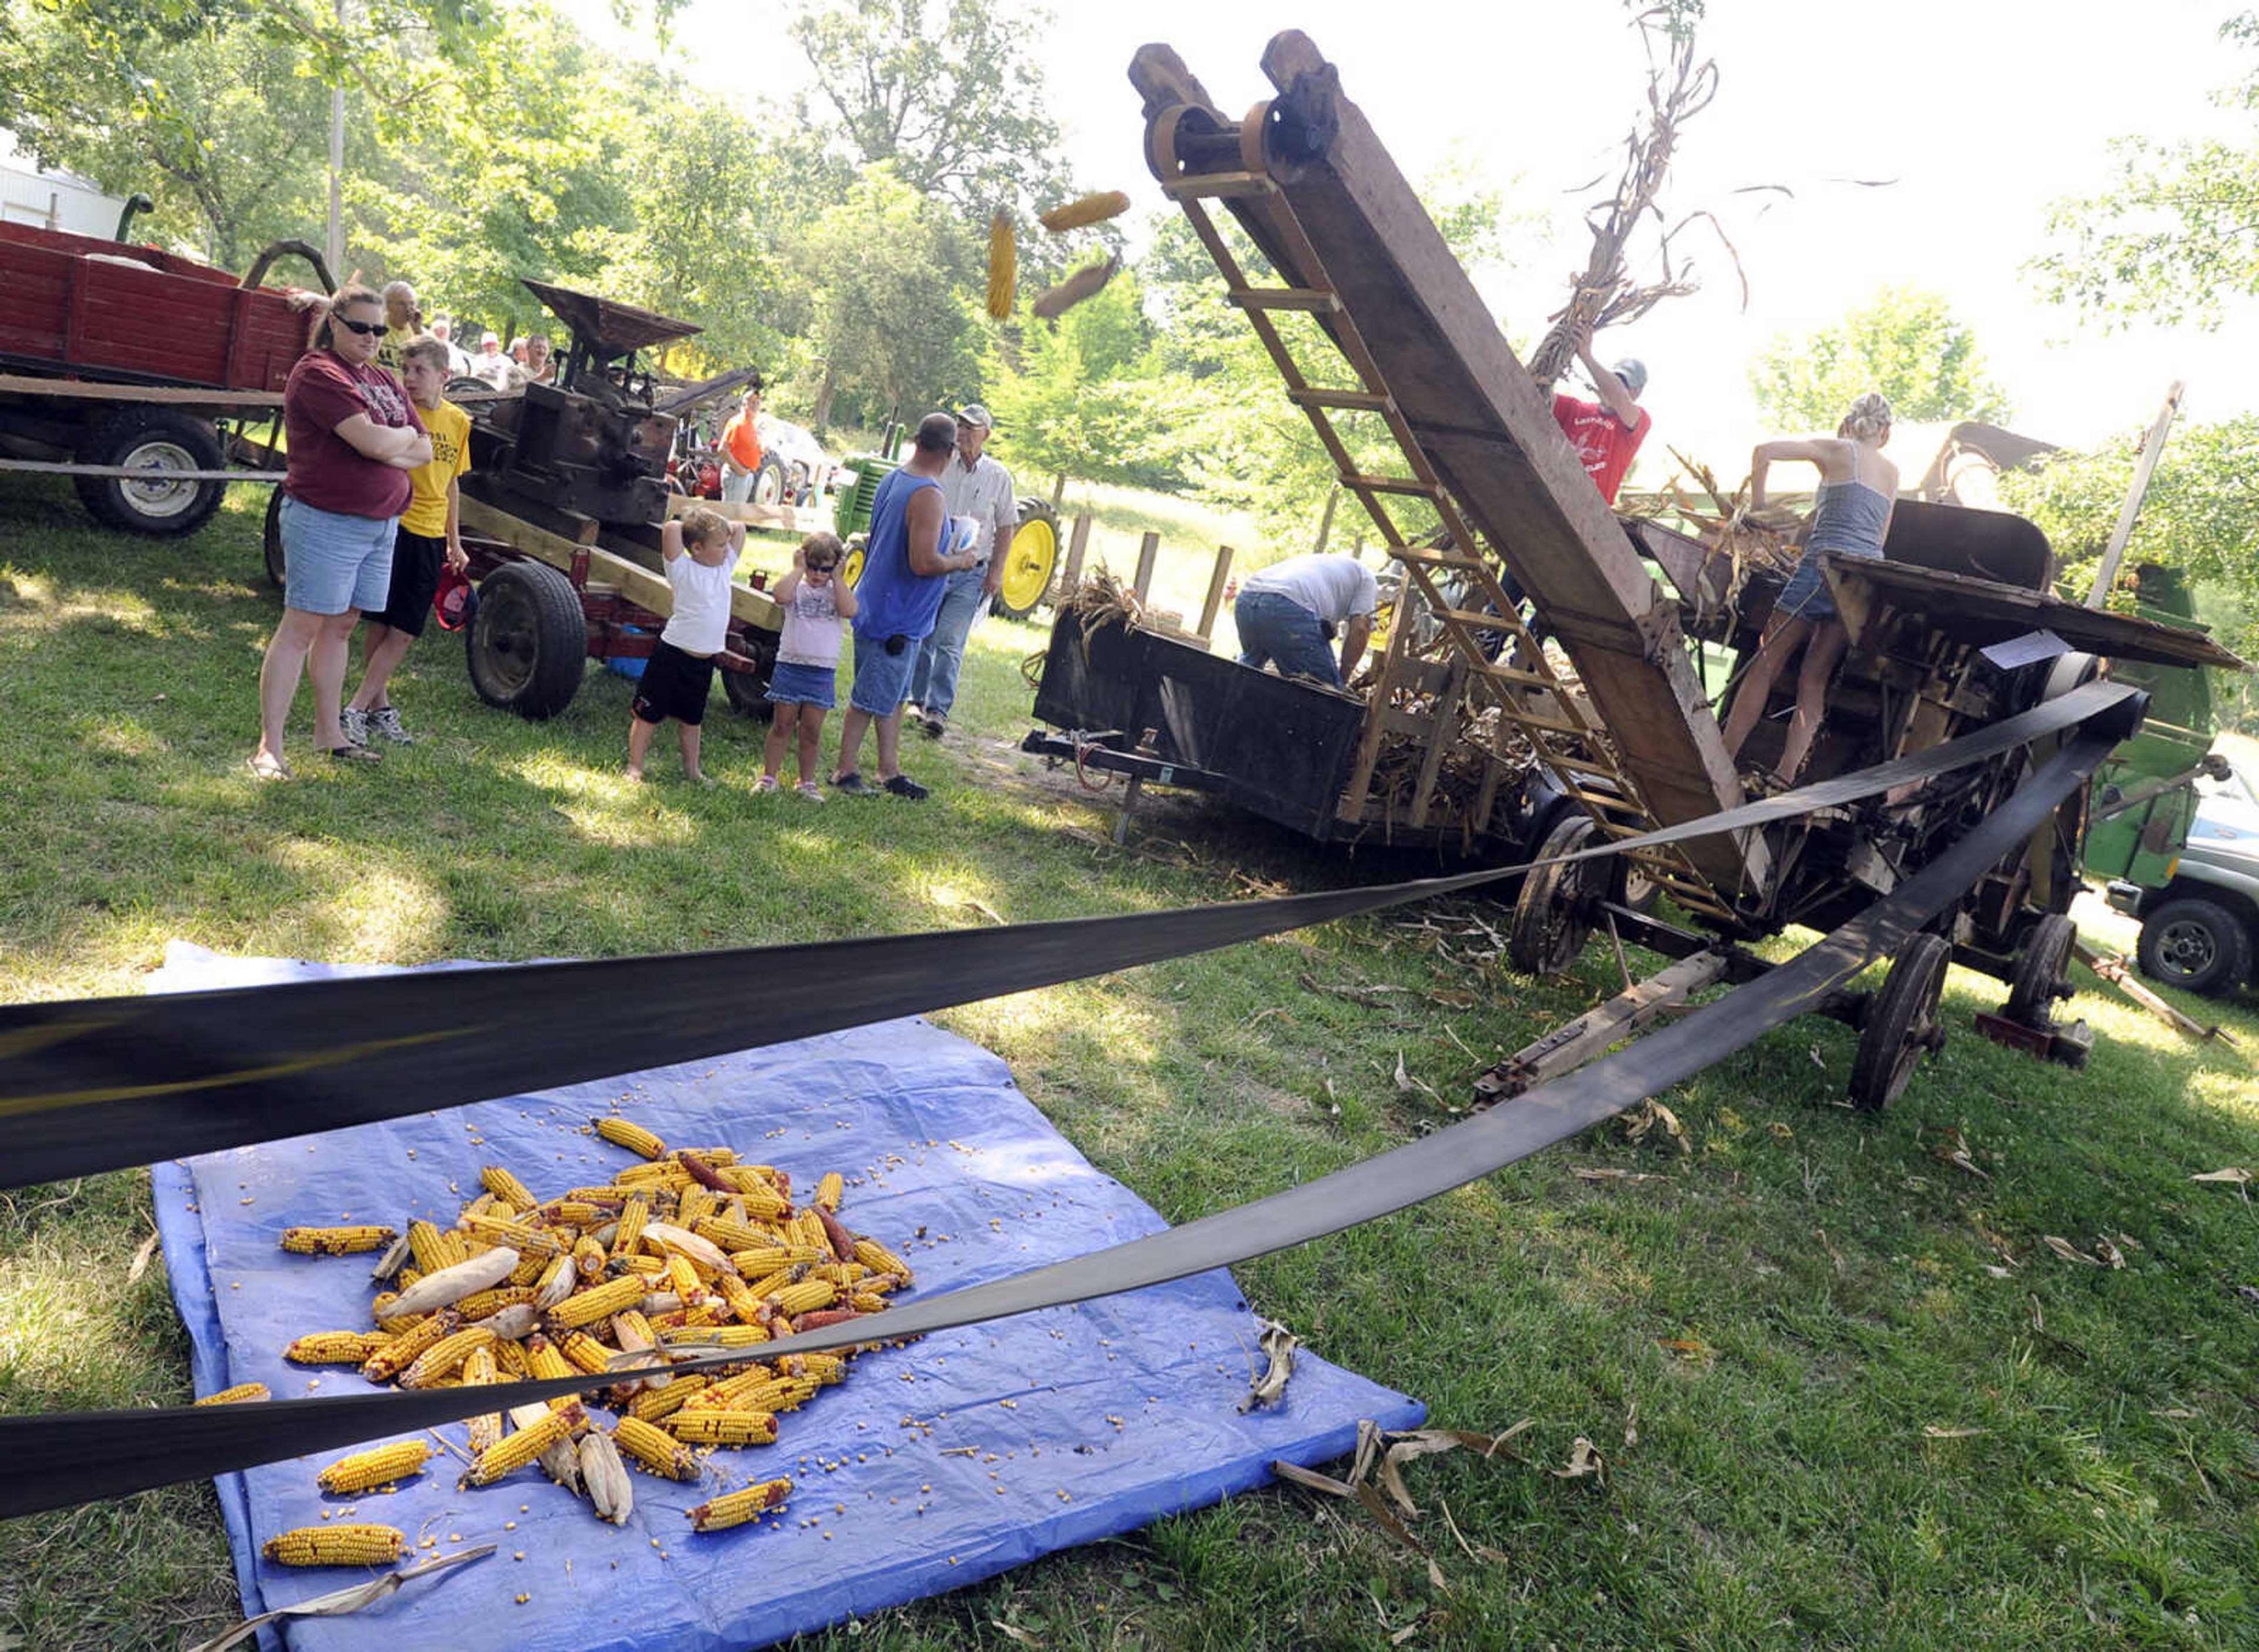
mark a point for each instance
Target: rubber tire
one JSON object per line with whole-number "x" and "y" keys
{"x": 464, "y": 384}
{"x": 2042, "y": 966}
{"x": 271, "y": 538}
{"x": 117, "y": 438}
{"x": 532, "y": 608}
{"x": 1902, "y": 1024}
{"x": 2229, "y": 963}
{"x": 1034, "y": 550}
{"x": 1549, "y": 931}
{"x": 748, "y": 694}
{"x": 851, "y": 567}
{"x": 771, "y": 486}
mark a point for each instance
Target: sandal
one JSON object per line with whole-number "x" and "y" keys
{"x": 264, "y": 767}
{"x": 350, "y": 754}
{"x": 766, "y": 783}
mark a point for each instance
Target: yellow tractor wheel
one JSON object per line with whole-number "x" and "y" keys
{"x": 1030, "y": 561}
{"x": 850, "y": 571}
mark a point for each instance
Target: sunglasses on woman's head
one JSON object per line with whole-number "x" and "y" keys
{"x": 366, "y": 328}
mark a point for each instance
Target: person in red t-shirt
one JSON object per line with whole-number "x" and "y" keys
{"x": 353, "y": 437}
{"x": 1607, "y": 433}
{"x": 741, "y": 450}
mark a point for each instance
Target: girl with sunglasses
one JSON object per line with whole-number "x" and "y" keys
{"x": 804, "y": 686}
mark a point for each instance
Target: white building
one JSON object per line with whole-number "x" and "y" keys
{"x": 50, "y": 199}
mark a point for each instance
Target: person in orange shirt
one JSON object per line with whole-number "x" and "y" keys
{"x": 741, "y": 451}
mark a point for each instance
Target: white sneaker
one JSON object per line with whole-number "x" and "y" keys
{"x": 385, "y": 720}
{"x": 354, "y": 721}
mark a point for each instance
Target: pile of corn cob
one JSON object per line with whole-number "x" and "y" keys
{"x": 690, "y": 1252}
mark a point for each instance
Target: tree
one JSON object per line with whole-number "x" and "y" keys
{"x": 1906, "y": 343}
{"x": 2200, "y": 514}
{"x": 1080, "y": 397}
{"x": 950, "y": 92}
{"x": 2175, "y": 234}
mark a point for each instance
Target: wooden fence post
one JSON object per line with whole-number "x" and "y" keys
{"x": 1216, "y": 581}
{"x": 1149, "y": 551}
{"x": 1078, "y": 541}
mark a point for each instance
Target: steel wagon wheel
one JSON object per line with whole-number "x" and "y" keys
{"x": 1902, "y": 1024}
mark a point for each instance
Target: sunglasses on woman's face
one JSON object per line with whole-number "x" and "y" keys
{"x": 366, "y": 328}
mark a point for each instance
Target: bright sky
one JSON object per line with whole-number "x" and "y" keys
{"x": 1983, "y": 112}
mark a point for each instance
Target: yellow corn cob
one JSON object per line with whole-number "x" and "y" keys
{"x": 629, "y": 1325}
{"x": 442, "y": 1358}
{"x": 237, "y": 1395}
{"x": 520, "y": 1448}
{"x": 479, "y": 1370}
{"x": 713, "y": 1157}
{"x": 720, "y": 1335}
{"x": 495, "y": 1206}
{"x": 624, "y": 1133}
{"x": 520, "y": 1236}
{"x": 380, "y": 1310}
{"x": 807, "y": 1229}
{"x": 840, "y": 1273}
{"x": 804, "y": 1297}
{"x": 868, "y": 1302}
{"x": 633, "y": 1214}
{"x": 695, "y": 1203}
{"x": 588, "y": 1353}
{"x": 642, "y": 1267}
{"x": 1003, "y": 267}
{"x": 770, "y": 1284}
{"x": 654, "y": 1403}
{"x": 336, "y": 1242}
{"x": 879, "y": 1259}
{"x": 721, "y": 1513}
{"x": 662, "y": 1173}
{"x": 772, "y": 1394}
{"x": 657, "y": 1450}
{"x": 763, "y": 1201}
{"x": 732, "y": 1235}
{"x": 683, "y": 1278}
{"x": 741, "y": 1301}
{"x": 533, "y": 1263}
{"x": 366, "y": 1470}
{"x": 607, "y": 1194}
{"x": 1090, "y": 209}
{"x": 725, "y": 1395}
{"x": 429, "y": 1246}
{"x": 346, "y": 1545}
{"x": 829, "y": 1190}
{"x": 510, "y": 1361}
{"x": 723, "y": 1427}
{"x": 759, "y": 1260}
{"x": 478, "y": 1304}
{"x": 544, "y": 1360}
{"x": 586, "y": 1307}
{"x": 503, "y": 1184}
{"x": 589, "y": 1258}
{"x": 402, "y": 1351}
{"x": 823, "y": 1368}
{"x": 572, "y": 1213}
{"x": 335, "y": 1348}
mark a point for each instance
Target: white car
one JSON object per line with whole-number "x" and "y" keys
{"x": 804, "y": 470}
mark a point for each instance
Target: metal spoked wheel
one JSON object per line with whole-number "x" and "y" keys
{"x": 1553, "y": 913}
{"x": 2042, "y": 976}
{"x": 1903, "y": 1024}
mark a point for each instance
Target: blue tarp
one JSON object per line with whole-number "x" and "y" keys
{"x": 932, "y": 1466}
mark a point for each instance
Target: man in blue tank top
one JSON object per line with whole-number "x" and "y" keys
{"x": 905, "y": 575}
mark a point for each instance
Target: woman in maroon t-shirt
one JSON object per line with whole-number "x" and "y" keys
{"x": 353, "y": 436}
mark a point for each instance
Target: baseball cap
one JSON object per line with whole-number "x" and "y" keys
{"x": 455, "y": 601}
{"x": 1633, "y": 371}
{"x": 488, "y": 338}
{"x": 974, "y": 413}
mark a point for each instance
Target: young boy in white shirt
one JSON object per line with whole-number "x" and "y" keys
{"x": 701, "y": 553}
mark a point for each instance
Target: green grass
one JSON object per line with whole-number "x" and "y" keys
{"x": 1757, "y": 1338}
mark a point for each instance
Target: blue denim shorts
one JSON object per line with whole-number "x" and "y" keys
{"x": 882, "y": 680}
{"x": 791, "y": 684}
{"x": 334, "y": 563}
{"x": 1806, "y": 596}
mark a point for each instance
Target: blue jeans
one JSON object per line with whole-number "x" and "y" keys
{"x": 934, "y": 684}
{"x": 1278, "y": 628}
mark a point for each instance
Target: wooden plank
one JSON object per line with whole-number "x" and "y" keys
{"x": 1078, "y": 541}
{"x": 2106, "y": 575}
{"x": 1148, "y": 551}
{"x": 785, "y": 516}
{"x": 146, "y": 473}
{"x": 1440, "y": 736}
{"x": 1590, "y": 1036}
{"x": 638, "y": 584}
{"x": 1218, "y": 577}
{"x": 169, "y": 395}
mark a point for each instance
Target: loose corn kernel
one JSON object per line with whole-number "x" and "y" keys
{"x": 720, "y": 1513}
{"x": 622, "y": 1133}
{"x": 237, "y": 1395}
{"x": 366, "y": 1470}
{"x": 656, "y": 1450}
{"x": 346, "y": 1545}
{"x": 336, "y": 1242}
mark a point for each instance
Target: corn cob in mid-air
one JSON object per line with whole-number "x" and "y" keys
{"x": 1087, "y": 209}
{"x": 1003, "y": 267}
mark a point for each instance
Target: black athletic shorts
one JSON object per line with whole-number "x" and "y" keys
{"x": 416, "y": 560}
{"x": 675, "y": 685}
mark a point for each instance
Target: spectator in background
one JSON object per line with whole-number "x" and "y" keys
{"x": 540, "y": 366}
{"x": 429, "y": 536}
{"x": 492, "y": 369}
{"x": 517, "y": 353}
{"x": 459, "y": 364}
{"x": 975, "y": 486}
{"x": 898, "y": 594}
{"x": 353, "y": 436}
{"x": 1288, "y": 613}
{"x": 741, "y": 449}
{"x": 404, "y": 321}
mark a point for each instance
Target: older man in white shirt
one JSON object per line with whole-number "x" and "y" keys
{"x": 975, "y": 486}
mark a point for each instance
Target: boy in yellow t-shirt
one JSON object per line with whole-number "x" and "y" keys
{"x": 429, "y": 535}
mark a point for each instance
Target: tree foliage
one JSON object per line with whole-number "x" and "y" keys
{"x": 2174, "y": 234}
{"x": 1077, "y": 396}
{"x": 1905, "y": 343}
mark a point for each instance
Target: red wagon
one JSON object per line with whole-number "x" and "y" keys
{"x": 117, "y": 363}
